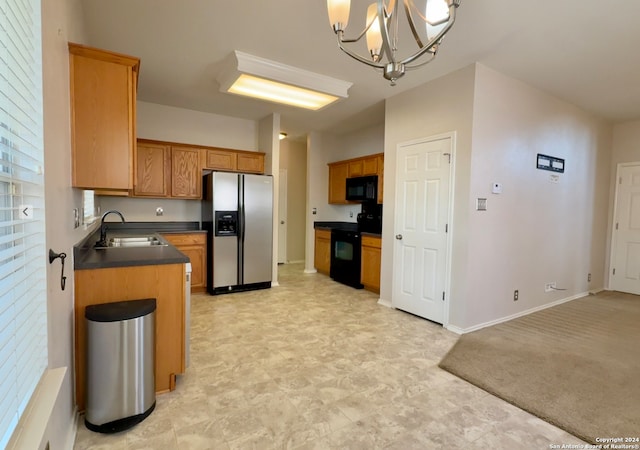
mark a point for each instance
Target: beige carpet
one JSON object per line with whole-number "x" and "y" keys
{"x": 576, "y": 365}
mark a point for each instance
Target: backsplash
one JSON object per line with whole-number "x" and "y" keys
{"x": 144, "y": 209}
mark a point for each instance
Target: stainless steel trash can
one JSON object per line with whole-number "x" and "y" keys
{"x": 120, "y": 364}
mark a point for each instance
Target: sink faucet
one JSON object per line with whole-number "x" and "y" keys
{"x": 103, "y": 227}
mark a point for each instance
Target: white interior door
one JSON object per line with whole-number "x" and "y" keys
{"x": 422, "y": 210}
{"x": 625, "y": 271}
{"x": 282, "y": 218}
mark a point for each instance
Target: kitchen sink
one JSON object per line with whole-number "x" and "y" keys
{"x": 134, "y": 241}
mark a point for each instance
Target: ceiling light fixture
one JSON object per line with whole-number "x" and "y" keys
{"x": 256, "y": 77}
{"x": 428, "y": 22}
{"x": 282, "y": 135}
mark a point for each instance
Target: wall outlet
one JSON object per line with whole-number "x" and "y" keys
{"x": 548, "y": 287}
{"x": 589, "y": 278}
{"x": 159, "y": 211}
{"x": 516, "y": 294}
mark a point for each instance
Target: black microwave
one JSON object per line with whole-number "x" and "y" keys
{"x": 362, "y": 189}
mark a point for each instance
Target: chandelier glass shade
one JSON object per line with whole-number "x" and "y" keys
{"x": 427, "y": 22}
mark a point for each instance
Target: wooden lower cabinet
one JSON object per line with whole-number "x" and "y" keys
{"x": 166, "y": 284}
{"x": 194, "y": 246}
{"x": 322, "y": 257}
{"x": 370, "y": 265}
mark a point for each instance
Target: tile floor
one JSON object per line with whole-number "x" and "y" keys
{"x": 313, "y": 364}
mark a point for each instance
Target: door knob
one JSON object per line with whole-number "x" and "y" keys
{"x": 282, "y": 222}
{"x": 399, "y": 237}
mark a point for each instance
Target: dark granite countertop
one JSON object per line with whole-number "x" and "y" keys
{"x": 347, "y": 226}
{"x": 87, "y": 257}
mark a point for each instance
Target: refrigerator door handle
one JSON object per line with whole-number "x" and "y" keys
{"x": 241, "y": 229}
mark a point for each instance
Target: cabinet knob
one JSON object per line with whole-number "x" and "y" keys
{"x": 282, "y": 222}
{"x": 399, "y": 237}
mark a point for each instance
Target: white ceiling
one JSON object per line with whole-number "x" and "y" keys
{"x": 584, "y": 51}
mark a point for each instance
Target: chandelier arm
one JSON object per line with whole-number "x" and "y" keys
{"x": 341, "y": 38}
{"x": 436, "y": 40}
{"x": 384, "y": 31}
{"x": 358, "y": 57}
{"x": 423, "y": 63}
{"x": 412, "y": 24}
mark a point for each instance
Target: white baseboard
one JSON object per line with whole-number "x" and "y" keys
{"x": 383, "y": 302}
{"x": 275, "y": 284}
{"x": 310, "y": 271}
{"x": 455, "y": 329}
{"x": 295, "y": 261}
{"x": 459, "y": 330}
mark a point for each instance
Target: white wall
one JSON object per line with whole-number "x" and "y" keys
{"x": 536, "y": 231}
{"x": 61, "y": 22}
{"x": 625, "y": 149}
{"x": 441, "y": 106}
{"x": 293, "y": 158}
{"x": 171, "y": 124}
{"x": 269, "y": 142}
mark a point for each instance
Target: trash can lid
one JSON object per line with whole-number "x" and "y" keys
{"x": 116, "y": 311}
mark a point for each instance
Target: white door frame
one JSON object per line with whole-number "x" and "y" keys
{"x": 612, "y": 250}
{"x": 452, "y": 172}
{"x": 282, "y": 216}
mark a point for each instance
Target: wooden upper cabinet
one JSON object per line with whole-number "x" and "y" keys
{"x": 355, "y": 168}
{"x": 103, "y": 98}
{"x": 338, "y": 173}
{"x": 370, "y": 166}
{"x": 251, "y": 163}
{"x": 186, "y": 175}
{"x": 152, "y": 170}
{"x": 220, "y": 160}
{"x": 233, "y": 161}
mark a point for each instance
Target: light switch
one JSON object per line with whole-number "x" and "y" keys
{"x": 481, "y": 204}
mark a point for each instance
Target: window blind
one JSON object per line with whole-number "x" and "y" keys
{"x": 23, "y": 325}
{"x": 88, "y": 207}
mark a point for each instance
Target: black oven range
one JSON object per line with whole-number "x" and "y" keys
{"x": 346, "y": 257}
{"x": 346, "y": 244}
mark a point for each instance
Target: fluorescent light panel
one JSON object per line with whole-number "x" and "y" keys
{"x": 260, "y": 78}
{"x": 274, "y": 91}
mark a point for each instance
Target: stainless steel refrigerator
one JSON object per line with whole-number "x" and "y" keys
{"x": 237, "y": 212}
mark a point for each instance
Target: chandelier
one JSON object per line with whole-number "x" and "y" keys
{"x": 428, "y": 26}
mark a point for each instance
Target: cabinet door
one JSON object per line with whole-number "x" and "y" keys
{"x": 186, "y": 176}
{"x": 153, "y": 170}
{"x": 250, "y": 163}
{"x": 370, "y": 265}
{"x": 355, "y": 168}
{"x": 370, "y": 166}
{"x": 194, "y": 246}
{"x": 197, "y": 256}
{"x": 103, "y": 88}
{"x": 221, "y": 160}
{"x": 338, "y": 183}
{"x": 322, "y": 256}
